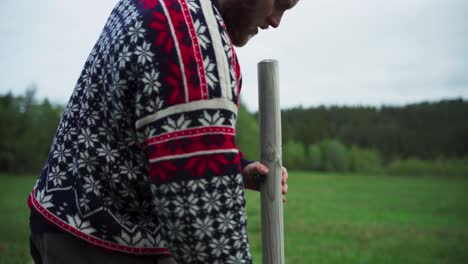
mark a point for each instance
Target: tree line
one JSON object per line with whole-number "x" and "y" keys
{"x": 28, "y": 127}
{"x": 326, "y": 138}
{"x": 424, "y": 130}
{"x": 423, "y": 138}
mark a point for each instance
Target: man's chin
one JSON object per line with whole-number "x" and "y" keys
{"x": 239, "y": 40}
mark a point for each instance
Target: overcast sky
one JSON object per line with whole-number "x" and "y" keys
{"x": 353, "y": 52}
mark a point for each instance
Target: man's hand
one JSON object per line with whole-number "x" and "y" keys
{"x": 254, "y": 174}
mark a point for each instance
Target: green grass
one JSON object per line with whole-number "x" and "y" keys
{"x": 329, "y": 218}
{"x": 332, "y": 218}
{"x": 14, "y": 219}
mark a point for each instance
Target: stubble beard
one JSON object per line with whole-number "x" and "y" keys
{"x": 238, "y": 15}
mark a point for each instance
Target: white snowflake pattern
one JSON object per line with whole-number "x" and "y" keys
{"x": 201, "y": 250}
{"x": 124, "y": 219}
{"x": 233, "y": 81}
{"x": 152, "y": 240}
{"x": 92, "y": 186}
{"x": 116, "y": 30}
{"x": 209, "y": 72}
{"x": 132, "y": 16}
{"x": 71, "y": 111}
{"x": 129, "y": 170}
{"x": 203, "y": 40}
{"x": 105, "y": 131}
{"x": 121, "y": 7}
{"x": 78, "y": 223}
{"x": 114, "y": 179}
{"x": 180, "y": 124}
{"x": 171, "y": 188}
{"x": 56, "y": 175}
{"x": 193, "y": 6}
{"x": 162, "y": 205}
{"x": 144, "y": 53}
{"x": 44, "y": 200}
{"x": 146, "y": 220}
{"x": 142, "y": 136}
{"x": 94, "y": 66}
{"x": 211, "y": 120}
{"x": 136, "y": 32}
{"x": 132, "y": 72}
{"x": 232, "y": 120}
{"x": 227, "y": 47}
{"x": 238, "y": 258}
{"x": 70, "y": 134}
{"x": 115, "y": 75}
{"x": 175, "y": 230}
{"x": 92, "y": 56}
{"x": 113, "y": 63}
{"x": 74, "y": 167}
{"x": 61, "y": 153}
{"x": 87, "y": 138}
{"x": 86, "y": 161}
{"x": 87, "y": 77}
{"x": 195, "y": 253}
{"x": 127, "y": 193}
{"x": 212, "y": 201}
{"x": 238, "y": 179}
{"x": 203, "y": 227}
{"x": 219, "y": 246}
{"x": 186, "y": 207}
{"x": 119, "y": 111}
{"x": 151, "y": 82}
{"x": 84, "y": 202}
{"x": 153, "y": 105}
{"x": 126, "y": 12}
{"x": 128, "y": 239}
{"x": 119, "y": 88}
{"x": 101, "y": 44}
{"x": 93, "y": 118}
{"x": 124, "y": 57}
{"x": 234, "y": 196}
{"x": 226, "y": 221}
{"x": 222, "y": 181}
{"x": 188, "y": 254}
{"x": 239, "y": 238}
{"x": 109, "y": 153}
{"x": 199, "y": 184}
{"x": 130, "y": 139}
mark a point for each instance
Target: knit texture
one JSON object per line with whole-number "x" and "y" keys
{"x": 144, "y": 160}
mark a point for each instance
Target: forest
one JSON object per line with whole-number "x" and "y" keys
{"x": 423, "y": 138}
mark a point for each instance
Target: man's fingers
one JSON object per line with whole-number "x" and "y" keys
{"x": 285, "y": 189}
{"x": 262, "y": 169}
{"x": 284, "y": 175}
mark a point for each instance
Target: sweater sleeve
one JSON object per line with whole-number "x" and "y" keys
{"x": 196, "y": 176}
{"x": 245, "y": 162}
{"x": 188, "y": 138}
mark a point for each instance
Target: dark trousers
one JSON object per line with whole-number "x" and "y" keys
{"x": 59, "y": 248}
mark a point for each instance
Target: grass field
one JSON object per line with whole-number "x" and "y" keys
{"x": 328, "y": 219}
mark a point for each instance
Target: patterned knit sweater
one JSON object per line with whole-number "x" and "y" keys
{"x": 144, "y": 160}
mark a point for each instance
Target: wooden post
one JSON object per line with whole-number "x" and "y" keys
{"x": 270, "y": 154}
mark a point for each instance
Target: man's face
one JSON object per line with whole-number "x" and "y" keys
{"x": 244, "y": 18}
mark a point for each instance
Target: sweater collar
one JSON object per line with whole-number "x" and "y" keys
{"x": 216, "y": 4}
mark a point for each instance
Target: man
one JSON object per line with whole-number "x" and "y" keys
{"x": 144, "y": 164}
